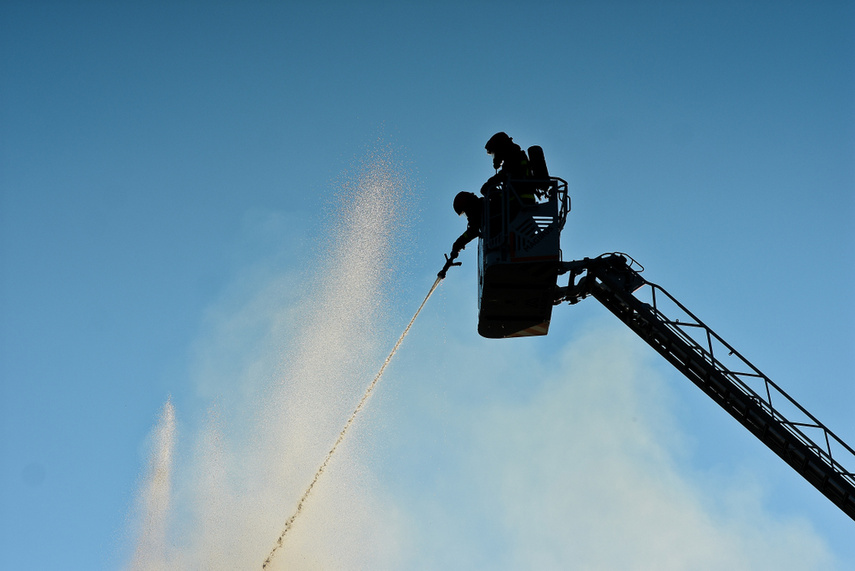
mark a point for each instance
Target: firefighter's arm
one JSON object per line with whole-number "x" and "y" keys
{"x": 460, "y": 243}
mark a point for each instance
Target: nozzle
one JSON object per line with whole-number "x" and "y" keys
{"x": 449, "y": 261}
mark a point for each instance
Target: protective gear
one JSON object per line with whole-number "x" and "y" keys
{"x": 498, "y": 142}
{"x": 465, "y": 201}
{"x": 508, "y": 156}
{"x": 498, "y": 146}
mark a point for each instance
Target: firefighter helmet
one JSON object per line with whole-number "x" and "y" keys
{"x": 497, "y": 141}
{"x": 463, "y": 200}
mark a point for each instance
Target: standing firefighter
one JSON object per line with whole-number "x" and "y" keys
{"x": 511, "y": 164}
{"x": 507, "y": 156}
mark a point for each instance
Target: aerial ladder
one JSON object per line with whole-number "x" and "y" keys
{"x": 519, "y": 263}
{"x": 715, "y": 367}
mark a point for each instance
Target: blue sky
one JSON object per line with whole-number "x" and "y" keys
{"x": 175, "y": 186}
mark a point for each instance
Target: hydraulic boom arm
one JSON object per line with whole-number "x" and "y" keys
{"x": 720, "y": 371}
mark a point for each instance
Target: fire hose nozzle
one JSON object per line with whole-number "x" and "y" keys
{"x": 449, "y": 261}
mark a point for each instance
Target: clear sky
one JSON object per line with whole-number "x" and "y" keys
{"x": 217, "y": 217}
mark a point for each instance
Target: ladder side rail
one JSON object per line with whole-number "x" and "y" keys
{"x": 770, "y": 387}
{"x": 712, "y": 335}
{"x": 681, "y": 350}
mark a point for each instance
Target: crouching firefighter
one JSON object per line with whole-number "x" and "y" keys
{"x": 465, "y": 203}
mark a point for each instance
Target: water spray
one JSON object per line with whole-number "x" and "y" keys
{"x": 449, "y": 261}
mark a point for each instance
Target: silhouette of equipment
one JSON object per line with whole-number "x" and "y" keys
{"x": 718, "y": 369}
{"x": 449, "y": 261}
{"x": 519, "y": 262}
